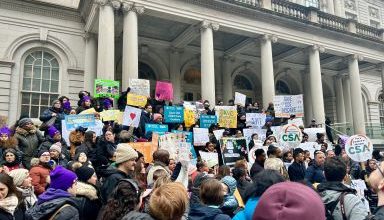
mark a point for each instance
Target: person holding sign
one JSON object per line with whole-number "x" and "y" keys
{"x": 86, "y": 103}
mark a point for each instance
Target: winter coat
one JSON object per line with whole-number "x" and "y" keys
{"x": 296, "y": 172}
{"x": 39, "y": 176}
{"x": 202, "y": 212}
{"x": 29, "y": 142}
{"x": 242, "y": 185}
{"x": 47, "y": 115}
{"x": 133, "y": 215}
{"x": 354, "y": 207}
{"x": 156, "y": 166}
{"x": 230, "y": 202}
{"x": 88, "y": 201}
{"x": 111, "y": 177}
{"x": 314, "y": 174}
{"x": 379, "y": 213}
{"x": 104, "y": 151}
{"x": 11, "y": 202}
{"x": 145, "y": 118}
{"x": 248, "y": 211}
{"x": 255, "y": 169}
{"x": 89, "y": 150}
{"x": 49, "y": 142}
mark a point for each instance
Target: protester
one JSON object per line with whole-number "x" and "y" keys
{"x": 258, "y": 165}
{"x": 230, "y": 204}
{"x": 161, "y": 162}
{"x": 56, "y": 155}
{"x": 40, "y": 173}
{"x": 55, "y": 112}
{"x": 23, "y": 183}
{"x": 88, "y": 146}
{"x": 54, "y": 137}
{"x": 297, "y": 169}
{"x": 314, "y": 173}
{"x": 11, "y": 159}
{"x": 376, "y": 180}
{"x": 106, "y": 148}
{"x": 11, "y": 201}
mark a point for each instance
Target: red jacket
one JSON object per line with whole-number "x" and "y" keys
{"x": 39, "y": 176}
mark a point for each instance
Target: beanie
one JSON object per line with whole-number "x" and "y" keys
{"x": 41, "y": 152}
{"x": 5, "y": 130}
{"x": 231, "y": 183}
{"x": 24, "y": 121}
{"x": 86, "y": 98}
{"x": 125, "y": 152}
{"x": 62, "y": 178}
{"x": 289, "y": 201}
{"x": 55, "y": 101}
{"x": 84, "y": 173}
{"x": 19, "y": 175}
{"x": 56, "y": 146}
{"x": 52, "y": 131}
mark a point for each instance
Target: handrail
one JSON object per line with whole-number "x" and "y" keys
{"x": 332, "y": 21}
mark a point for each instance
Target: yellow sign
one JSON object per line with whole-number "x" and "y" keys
{"x": 88, "y": 111}
{"x": 109, "y": 115}
{"x": 136, "y": 100}
{"x": 119, "y": 118}
{"x": 227, "y": 117}
{"x": 189, "y": 117}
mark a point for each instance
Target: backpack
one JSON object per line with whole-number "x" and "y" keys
{"x": 330, "y": 207}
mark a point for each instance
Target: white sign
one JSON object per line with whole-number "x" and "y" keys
{"x": 312, "y": 133}
{"x": 248, "y": 132}
{"x": 211, "y": 158}
{"x": 200, "y": 136}
{"x": 218, "y": 133}
{"x": 131, "y": 116}
{"x": 255, "y": 120}
{"x": 251, "y": 154}
{"x": 240, "y": 99}
{"x": 290, "y": 136}
{"x": 139, "y": 87}
{"x": 296, "y": 121}
{"x": 286, "y": 105}
{"x": 311, "y": 147}
{"x": 359, "y": 148}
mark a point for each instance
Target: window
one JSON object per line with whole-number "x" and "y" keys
{"x": 374, "y": 17}
{"x": 312, "y": 3}
{"x": 381, "y": 109}
{"x": 40, "y": 83}
{"x": 374, "y": 24}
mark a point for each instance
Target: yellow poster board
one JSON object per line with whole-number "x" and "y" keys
{"x": 136, "y": 100}
{"x": 109, "y": 115}
{"x": 227, "y": 116}
{"x": 189, "y": 117}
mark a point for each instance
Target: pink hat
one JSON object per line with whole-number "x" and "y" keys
{"x": 156, "y": 116}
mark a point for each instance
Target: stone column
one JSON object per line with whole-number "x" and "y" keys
{"x": 130, "y": 62}
{"x": 267, "y": 75}
{"x": 174, "y": 69}
{"x": 347, "y": 101}
{"x": 90, "y": 64}
{"x": 340, "y": 108}
{"x": 106, "y": 44}
{"x": 357, "y": 100}
{"x": 208, "y": 61}
{"x": 307, "y": 98}
{"x": 382, "y": 77}
{"x": 227, "y": 80}
{"x": 316, "y": 84}
{"x": 339, "y": 8}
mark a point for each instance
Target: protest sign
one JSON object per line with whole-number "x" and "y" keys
{"x": 139, "y": 87}
{"x": 218, "y": 133}
{"x": 184, "y": 149}
{"x": 359, "y": 148}
{"x": 106, "y": 88}
{"x": 296, "y": 121}
{"x": 136, "y": 100}
{"x": 232, "y": 149}
{"x": 251, "y": 152}
{"x": 286, "y": 105}
{"x": 131, "y": 116}
{"x": 188, "y": 135}
{"x": 109, "y": 115}
{"x": 119, "y": 118}
{"x": 207, "y": 120}
{"x": 290, "y": 136}
{"x": 248, "y": 132}
{"x": 158, "y": 128}
{"x": 170, "y": 142}
{"x": 74, "y": 121}
{"x": 164, "y": 91}
{"x": 173, "y": 114}
{"x": 88, "y": 111}
{"x": 227, "y": 116}
{"x": 189, "y": 116}
{"x": 240, "y": 99}
{"x": 255, "y": 120}
{"x": 311, "y": 147}
{"x": 312, "y": 133}
{"x": 211, "y": 158}
{"x": 200, "y": 136}
{"x": 97, "y": 128}
{"x": 146, "y": 148}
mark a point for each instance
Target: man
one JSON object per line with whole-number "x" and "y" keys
{"x": 296, "y": 171}
{"x": 274, "y": 152}
{"x": 341, "y": 202}
{"x": 206, "y": 108}
{"x": 314, "y": 173}
{"x": 145, "y": 118}
{"x": 57, "y": 156}
{"x": 330, "y": 153}
{"x": 313, "y": 124}
{"x": 161, "y": 162}
{"x": 125, "y": 164}
{"x": 376, "y": 179}
{"x": 258, "y": 166}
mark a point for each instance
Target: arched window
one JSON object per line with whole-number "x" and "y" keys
{"x": 381, "y": 109}
{"x": 241, "y": 82}
{"x": 282, "y": 88}
{"x": 192, "y": 76}
{"x": 40, "y": 83}
{"x": 146, "y": 72}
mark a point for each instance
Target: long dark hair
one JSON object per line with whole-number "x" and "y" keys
{"x": 8, "y": 181}
{"x": 88, "y": 138}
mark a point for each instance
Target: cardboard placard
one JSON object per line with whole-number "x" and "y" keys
{"x": 286, "y": 105}
{"x": 140, "y": 87}
{"x": 131, "y": 116}
{"x": 74, "y": 121}
{"x": 136, "y": 100}
{"x": 106, "y": 88}
{"x": 200, "y": 136}
{"x": 240, "y": 99}
{"x": 255, "y": 120}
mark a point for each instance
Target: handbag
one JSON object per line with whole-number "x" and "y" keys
{"x": 45, "y": 125}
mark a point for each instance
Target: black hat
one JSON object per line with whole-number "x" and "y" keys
{"x": 84, "y": 173}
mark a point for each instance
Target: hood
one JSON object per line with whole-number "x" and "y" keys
{"x": 330, "y": 191}
{"x": 46, "y": 209}
{"x": 137, "y": 216}
{"x": 231, "y": 183}
{"x": 112, "y": 170}
{"x": 201, "y": 212}
{"x": 86, "y": 190}
{"x": 23, "y": 132}
{"x": 52, "y": 194}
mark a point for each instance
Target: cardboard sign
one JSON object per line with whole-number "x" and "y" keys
{"x": 218, "y": 133}
{"x": 232, "y": 149}
{"x": 248, "y": 132}
{"x": 200, "y": 136}
{"x": 74, "y": 121}
{"x": 211, "y": 158}
{"x": 240, "y": 99}
{"x": 140, "y": 87}
{"x": 286, "y": 105}
{"x": 290, "y": 136}
{"x": 88, "y": 111}
{"x": 136, "y": 100}
{"x": 156, "y": 128}
{"x": 227, "y": 116}
{"x": 207, "y": 120}
{"x": 109, "y": 115}
{"x": 359, "y": 148}
{"x": 146, "y": 148}
{"x": 173, "y": 114}
{"x": 189, "y": 117}
{"x": 255, "y": 120}
{"x": 106, "y": 88}
{"x": 164, "y": 91}
{"x": 170, "y": 143}
{"x": 131, "y": 116}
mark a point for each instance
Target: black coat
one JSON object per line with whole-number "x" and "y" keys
{"x": 88, "y": 201}
{"x": 47, "y": 115}
{"x": 296, "y": 172}
{"x": 145, "y": 118}
{"x": 201, "y": 212}
{"x": 104, "y": 151}
{"x": 255, "y": 169}
{"x": 89, "y": 150}
{"x": 18, "y": 215}
{"x": 47, "y": 209}
{"x": 111, "y": 177}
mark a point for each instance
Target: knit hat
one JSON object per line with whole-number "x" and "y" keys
{"x": 24, "y": 121}
{"x": 67, "y": 106}
{"x": 231, "y": 183}
{"x": 86, "y": 98}
{"x": 56, "y": 146}
{"x": 52, "y": 131}
{"x": 107, "y": 103}
{"x": 289, "y": 201}
{"x": 19, "y": 175}
{"x": 156, "y": 116}
{"x": 5, "y": 130}
{"x": 62, "y": 178}
{"x": 54, "y": 102}
{"x": 84, "y": 173}
{"x": 41, "y": 152}
{"x": 124, "y": 152}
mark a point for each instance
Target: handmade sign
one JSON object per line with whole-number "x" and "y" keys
{"x": 170, "y": 143}
{"x": 359, "y": 148}
{"x": 184, "y": 150}
{"x": 207, "y": 120}
{"x": 200, "y": 136}
{"x": 227, "y": 116}
{"x": 311, "y": 147}
{"x": 233, "y": 149}
{"x": 189, "y": 116}
{"x": 146, "y": 148}
{"x": 106, "y": 88}
{"x": 286, "y": 105}
{"x": 158, "y": 128}
{"x": 74, "y": 121}
{"x": 240, "y": 99}
{"x": 255, "y": 120}
{"x": 173, "y": 114}
{"x": 131, "y": 116}
{"x": 139, "y": 87}
{"x": 164, "y": 91}
{"x": 109, "y": 115}
{"x": 248, "y": 132}
{"x": 136, "y": 100}
{"x": 312, "y": 133}
{"x": 88, "y": 111}
{"x": 188, "y": 135}
{"x": 218, "y": 133}
{"x": 290, "y": 136}
{"x": 211, "y": 158}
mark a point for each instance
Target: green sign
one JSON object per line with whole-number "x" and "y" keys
{"x": 106, "y": 88}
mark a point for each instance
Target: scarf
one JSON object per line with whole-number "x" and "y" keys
{"x": 28, "y": 196}
{"x": 9, "y": 204}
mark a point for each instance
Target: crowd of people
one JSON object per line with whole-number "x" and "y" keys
{"x": 100, "y": 176}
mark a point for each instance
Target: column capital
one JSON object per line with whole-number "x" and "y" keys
{"x": 114, "y": 3}
{"x": 357, "y": 57}
{"x": 317, "y": 47}
{"x": 101, "y": 2}
{"x": 175, "y": 50}
{"x": 127, "y": 6}
{"x": 269, "y": 37}
{"x": 205, "y": 24}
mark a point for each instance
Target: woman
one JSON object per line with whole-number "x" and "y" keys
{"x": 82, "y": 159}
{"x": 56, "y": 111}
{"x": 6, "y": 140}
{"x": 88, "y": 146}
{"x": 106, "y": 148}
{"x": 172, "y": 165}
{"x": 86, "y": 103}
{"x": 11, "y": 202}
{"x": 11, "y": 159}
{"x": 40, "y": 173}
{"x": 140, "y": 174}
{"x": 23, "y": 183}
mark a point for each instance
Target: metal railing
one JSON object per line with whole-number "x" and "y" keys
{"x": 373, "y": 130}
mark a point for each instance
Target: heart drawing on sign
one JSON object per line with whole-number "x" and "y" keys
{"x": 132, "y": 115}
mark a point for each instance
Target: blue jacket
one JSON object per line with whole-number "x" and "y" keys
{"x": 248, "y": 211}
{"x": 314, "y": 174}
{"x": 202, "y": 212}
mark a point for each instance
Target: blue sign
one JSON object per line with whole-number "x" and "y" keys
{"x": 157, "y": 128}
{"x": 74, "y": 121}
{"x": 207, "y": 120}
{"x": 173, "y": 114}
{"x": 188, "y": 135}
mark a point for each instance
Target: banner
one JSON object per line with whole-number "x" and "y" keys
{"x": 207, "y": 120}
{"x": 359, "y": 148}
{"x": 164, "y": 91}
{"x": 131, "y": 116}
{"x": 227, "y": 116}
{"x": 106, "y": 88}
{"x": 88, "y": 111}
{"x": 173, "y": 114}
{"x": 109, "y": 115}
{"x": 211, "y": 158}
{"x": 255, "y": 120}
{"x": 290, "y": 136}
{"x": 139, "y": 87}
{"x": 248, "y": 132}
{"x": 74, "y": 121}
{"x": 312, "y": 133}
{"x": 240, "y": 99}
{"x": 189, "y": 117}
{"x": 136, "y": 100}
{"x": 158, "y": 128}
{"x": 233, "y": 149}
{"x": 146, "y": 148}
{"x": 200, "y": 136}
{"x": 286, "y": 105}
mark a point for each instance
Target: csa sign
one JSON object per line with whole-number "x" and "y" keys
{"x": 359, "y": 148}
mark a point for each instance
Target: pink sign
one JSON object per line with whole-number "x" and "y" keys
{"x": 164, "y": 91}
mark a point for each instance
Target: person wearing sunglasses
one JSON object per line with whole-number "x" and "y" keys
{"x": 376, "y": 181}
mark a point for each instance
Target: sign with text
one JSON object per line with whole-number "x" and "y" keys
{"x": 131, "y": 116}
{"x": 248, "y": 132}
{"x": 158, "y": 128}
{"x": 164, "y": 91}
{"x": 233, "y": 149}
{"x": 240, "y": 99}
{"x": 311, "y": 147}
{"x": 286, "y": 105}
{"x": 255, "y": 120}
{"x": 211, "y": 158}
{"x": 200, "y": 136}
{"x": 109, "y": 115}
{"x": 136, "y": 100}
{"x": 106, "y": 88}
{"x": 290, "y": 136}
{"x": 173, "y": 114}
{"x": 227, "y": 116}
{"x": 312, "y": 133}
{"x": 207, "y": 120}
{"x": 74, "y": 121}
{"x": 359, "y": 148}
{"x": 88, "y": 111}
{"x": 218, "y": 133}
{"x": 139, "y": 87}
